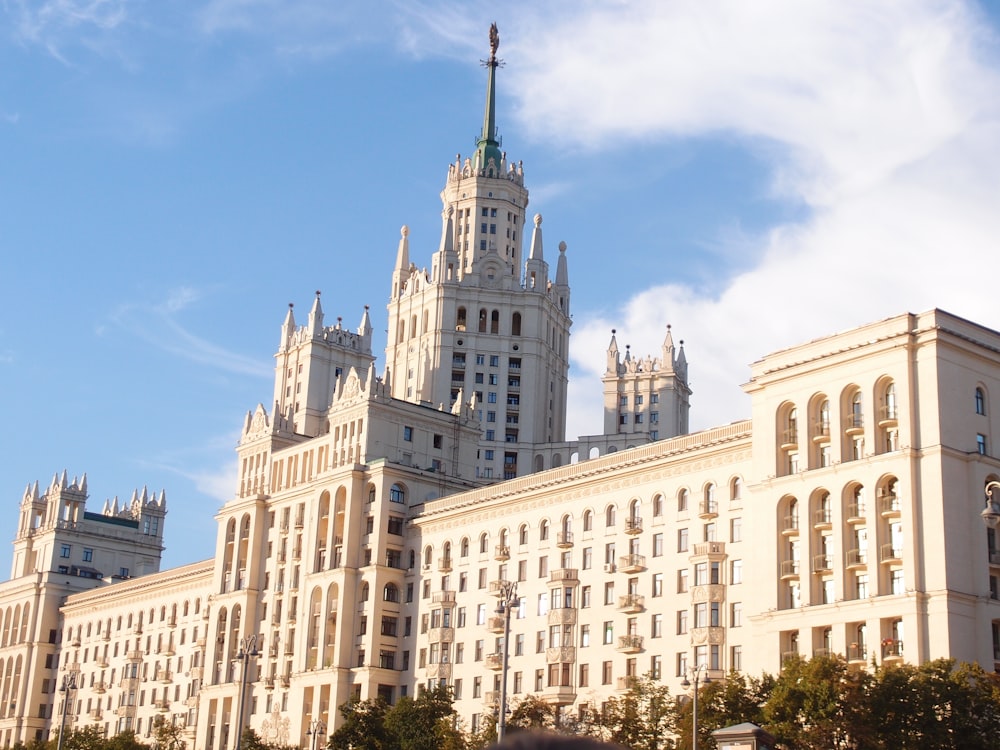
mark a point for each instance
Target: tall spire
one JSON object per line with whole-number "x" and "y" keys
{"x": 488, "y": 147}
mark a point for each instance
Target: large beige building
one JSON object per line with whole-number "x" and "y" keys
{"x": 370, "y": 534}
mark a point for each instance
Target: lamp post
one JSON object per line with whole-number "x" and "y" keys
{"x": 696, "y": 673}
{"x": 68, "y": 683}
{"x": 316, "y": 730}
{"x": 991, "y": 513}
{"x": 508, "y": 597}
{"x": 248, "y": 650}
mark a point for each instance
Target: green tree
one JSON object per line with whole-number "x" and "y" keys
{"x": 531, "y": 712}
{"x": 644, "y": 718}
{"x": 363, "y": 727}
{"x": 427, "y": 722}
{"x": 167, "y": 735}
{"x": 122, "y": 741}
{"x": 721, "y": 703}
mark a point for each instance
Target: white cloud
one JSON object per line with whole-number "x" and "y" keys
{"x": 158, "y": 325}
{"x": 880, "y": 118}
{"x": 54, "y": 24}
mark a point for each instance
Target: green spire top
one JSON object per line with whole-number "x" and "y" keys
{"x": 488, "y": 145}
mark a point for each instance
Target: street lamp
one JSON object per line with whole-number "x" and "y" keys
{"x": 68, "y": 683}
{"x": 696, "y": 673}
{"x": 248, "y": 650}
{"x": 508, "y": 597}
{"x": 316, "y": 730}
{"x": 991, "y": 513}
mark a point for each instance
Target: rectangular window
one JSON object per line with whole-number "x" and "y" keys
{"x": 494, "y": 360}
{"x": 588, "y": 558}
{"x": 64, "y": 550}
{"x": 981, "y": 444}
{"x": 736, "y": 529}
{"x": 682, "y": 540}
{"x": 736, "y": 615}
{"x": 609, "y": 632}
{"x": 682, "y": 621}
{"x": 658, "y": 545}
{"x": 736, "y": 571}
{"x": 682, "y": 581}
{"x": 584, "y": 636}
{"x": 609, "y": 592}
{"x": 88, "y": 554}
{"x": 407, "y": 433}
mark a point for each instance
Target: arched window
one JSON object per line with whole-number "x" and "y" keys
{"x": 609, "y": 515}
{"x": 460, "y": 320}
{"x": 397, "y": 494}
{"x": 543, "y": 530}
{"x": 484, "y": 543}
{"x": 364, "y": 591}
{"x": 588, "y": 520}
{"x": 464, "y": 547}
{"x": 495, "y": 321}
{"x": 522, "y": 534}
{"x": 682, "y": 501}
{"x": 890, "y": 401}
{"x": 736, "y": 489}
{"x": 428, "y": 555}
{"x": 503, "y": 537}
{"x": 824, "y": 417}
{"x": 413, "y": 326}
{"x": 482, "y": 320}
{"x": 515, "y": 324}
{"x": 657, "y": 505}
{"x": 980, "y": 401}
{"x": 390, "y": 593}
{"x": 412, "y": 561}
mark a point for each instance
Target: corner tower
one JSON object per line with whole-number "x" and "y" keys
{"x": 484, "y": 323}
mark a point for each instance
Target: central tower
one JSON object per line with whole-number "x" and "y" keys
{"x": 483, "y": 323}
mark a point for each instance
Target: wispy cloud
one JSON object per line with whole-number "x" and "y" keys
{"x": 56, "y": 24}
{"x": 158, "y": 324}
{"x": 208, "y": 465}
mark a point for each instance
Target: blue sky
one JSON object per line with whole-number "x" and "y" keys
{"x": 175, "y": 173}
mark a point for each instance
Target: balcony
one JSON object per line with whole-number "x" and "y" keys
{"x": 562, "y": 616}
{"x": 162, "y": 705}
{"x": 441, "y": 635}
{"x": 500, "y": 587}
{"x": 633, "y": 525}
{"x": 857, "y": 653}
{"x": 95, "y": 715}
{"x": 709, "y": 548}
{"x": 495, "y": 624}
{"x": 75, "y": 642}
{"x": 443, "y": 597}
{"x": 822, "y": 563}
{"x": 857, "y": 558}
{"x": 444, "y": 565}
{"x": 789, "y": 569}
{"x": 856, "y": 512}
{"x": 892, "y": 649}
{"x": 165, "y": 676}
{"x": 493, "y": 661}
{"x": 135, "y": 655}
{"x": 790, "y": 525}
{"x": 789, "y": 439}
{"x": 889, "y": 505}
{"x": 171, "y": 622}
{"x": 268, "y": 683}
{"x": 888, "y": 415}
{"x": 629, "y": 644}
{"x": 195, "y": 673}
{"x": 708, "y": 509}
{"x": 284, "y": 681}
{"x": 200, "y": 643}
{"x": 854, "y": 424}
{"x": 501, "y": 553}
{"x": 631, "y": 604}
{"x": 890, "y": 553}
{"x": 632, "y": 563}
{"x": 560, "y": 655}
{"x": 567, "y": 575}
{"x": 822, "y": 518}
{"x": 491, "y": 698}
{"x": 821, "y": 431}
{"x": 167, "y": 650}
{"x": 102, "y": 662}
{"x": 564, "y": 539}
{"x": 559, "y": 695}
{"x": 100, "y": 687}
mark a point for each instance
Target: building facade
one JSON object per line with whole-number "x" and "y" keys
{"x": 370, "y": 534}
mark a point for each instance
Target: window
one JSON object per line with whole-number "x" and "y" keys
{"x": 543, "y": 530}
{"x": 609, "y": 632}
{"x": 682, "y": 621}
{"x": 396, "y": 494}
{"x": 682, "y": 501}
{"x": 981, "y": 444}
{"x": 980, "y": 401}
{"x": 588, "y": 520}
{"x": 407, "y": 433}
{"x": 609, "y": 592}
{"x": 736, "y": 571}
{"x": 658, "y": 545}
{"x": 609, "y": 516}
{"x": 682, "y": 540}
{"x": 736, "y": 615}
{"x": 64, "y": 550}
{"x": 494, "y": 360}
{"x": 682, "y": 581}
{"x": 88, "y": 554}
{"x": 736, "y": 529}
